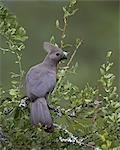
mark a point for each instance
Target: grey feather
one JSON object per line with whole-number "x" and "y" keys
{"x": 40, "y": 112}
{"x": 40, "y": 82}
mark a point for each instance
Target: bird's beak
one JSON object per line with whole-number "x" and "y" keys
{"x": 65, "y": 55}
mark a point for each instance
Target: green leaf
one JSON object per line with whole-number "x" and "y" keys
{"x": 21, "y": 31}
{"x": 108, "y": 143}
{"x": 103, "y": 66}
{"x": 113, "y": 93}
{"x": 78, "y": 42}
{"x": 64, "y": 9}
{"x": 14, "y": 82}
{"x": 102, "y": 71}
{"x": 109, "y": 66}
{"x": 66, "y": 13}
{"x": 57, "y": 23}
{"x": 103, "y": 82}
{"x": 20, "y": 38}
{"x": 104, "y": 147}
{"x": 52, "y": 39}
{"x": 107, "y": 76}
{"x": 62, "y": 72}
{"x": 72, "y": 2}
{"x": 13, "y": 92}
{"x": 14, "y": 75}
{"x": 74, "y": 11}
{"x": 63, "y": 36}
{"x": 109, "y": 54}
{"x": 67, "y": 45}
{"x": 88, "y": 100}
{"x": 1, "y": 25}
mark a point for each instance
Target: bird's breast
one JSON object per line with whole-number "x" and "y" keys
{"x": 52, "y": 80}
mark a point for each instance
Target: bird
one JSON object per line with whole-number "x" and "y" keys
{"x": 40, "y": 81}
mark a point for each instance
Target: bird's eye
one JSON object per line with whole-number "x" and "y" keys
{"x": 57, "y": 54}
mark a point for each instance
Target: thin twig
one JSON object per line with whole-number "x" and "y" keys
{"x": 4, "y": 49}
{"x": 71, "y": 58}
{"x": 72, "y": 138}
{"x": 63, "y": 32}
{"x": 67, "y": 67}
{"x": 20, "y": 70}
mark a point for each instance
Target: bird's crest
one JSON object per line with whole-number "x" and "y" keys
{"x": 49, "y": 47}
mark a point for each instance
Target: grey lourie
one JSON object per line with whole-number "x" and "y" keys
{"x": 40, "y": 82}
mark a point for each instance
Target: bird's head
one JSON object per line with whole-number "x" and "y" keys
{"x": 54, "y": 53}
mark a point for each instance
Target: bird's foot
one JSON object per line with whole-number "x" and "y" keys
{"x": 24, "y": 102}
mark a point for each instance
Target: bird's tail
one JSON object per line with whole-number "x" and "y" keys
{"x": 40, "y": 114}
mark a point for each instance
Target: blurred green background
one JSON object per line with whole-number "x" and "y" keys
{"x": 96, "y": 23}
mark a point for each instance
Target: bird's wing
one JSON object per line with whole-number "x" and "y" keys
{"x": 39, "y": 82}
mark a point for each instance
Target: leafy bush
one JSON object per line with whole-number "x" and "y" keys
{"x": 85, "y": 119}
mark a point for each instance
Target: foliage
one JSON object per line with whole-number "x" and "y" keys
{"x": 86, "y": 119}
{"x": 14, "y": 35}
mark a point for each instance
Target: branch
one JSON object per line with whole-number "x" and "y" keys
{"x": 4, "y": 50}
{"x": 72, "y": 138}
{"x": 68, "y": 65}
